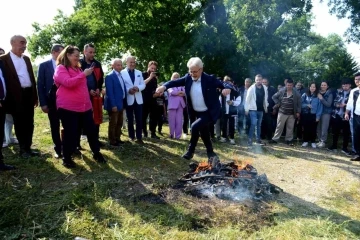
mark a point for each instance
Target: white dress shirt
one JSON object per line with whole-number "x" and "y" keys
{"x": 21, "y": 70}
{"x": 197, "y": 97}
{"x": 350, "y": 103}
{"x": 3, "y": 82}
{"x": 121, "y": 80}
{"x": 53, "y": 63}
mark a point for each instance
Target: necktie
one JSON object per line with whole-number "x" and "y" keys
{"x": 2, "y": 93}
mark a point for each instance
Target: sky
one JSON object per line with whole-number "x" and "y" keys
{"x": 43, "y": 12}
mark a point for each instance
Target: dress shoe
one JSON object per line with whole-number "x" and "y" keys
{"x": 120, "y": 142}
{"x": 69, "y": 164}
{"x": 272, "y": 142}
{"x": 211, "y": 154}
{"x": 99, "y": 157}
{"x": 4, "y": 167}
{"x": 101, "y": 144}
{"x": 188, "y": 155}
{"x": 154, "y": 136}
{"x": 77, "y": 152}
{"x": 355, "y": 158}
{"x": 139, "y": 141}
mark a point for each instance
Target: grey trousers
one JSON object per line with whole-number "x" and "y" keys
{"x": 323, "y": 127}
{"x": 283, "y": 119}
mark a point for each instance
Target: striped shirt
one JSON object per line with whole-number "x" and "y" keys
{"x": 287, "y": 105}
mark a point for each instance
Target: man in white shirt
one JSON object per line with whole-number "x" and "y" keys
{"x": 202, "y": 102}
{"x": 21, "y": 95}
{"x": 353, "y": 108}
{"x": 134, "y": 84}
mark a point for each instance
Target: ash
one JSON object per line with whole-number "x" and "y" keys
{"x": 229, "y": 181}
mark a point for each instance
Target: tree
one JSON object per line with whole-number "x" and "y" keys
{"x": 348, "y": 9}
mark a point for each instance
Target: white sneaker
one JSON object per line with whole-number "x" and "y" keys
{"x": 313, "y": 145}
{"x": 83, "y": 137}
{"x": 14, "y": 141}
{"x": 5, "y": 145}
{"x": 321, "y": 144}
{"x": 232, "y": 141}
{"x": 305, "y": 144}
{"x": 223, "y": 140}
{"x": 184, "y": 135}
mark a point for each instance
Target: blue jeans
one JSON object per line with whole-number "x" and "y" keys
{"x": 255, "y": 119}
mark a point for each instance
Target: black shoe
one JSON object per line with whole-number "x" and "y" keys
{"x": 290, "y": 143}
{"x": 261, "y": 143}
{"x": 4, "y": 167}
{"x": 77, "y": 152}
{"x": 99, "y": 157}
{"x": 272, "y": 142}
{"x": 101, "y": 144}
{"x": 79, "y": 148}
{"x": 120, "y": 142}
{"x": 351, "y": 153}
{"x": 332, "y": 148}
{"x": 188, "y": 155}
{"x": 139, "y": 141}
{"x": 346, "y": 152}
{"x": 154, "y": 136}
{"x": 211, "y": 154}
{"x": 355, "y": 158}
{"x": 69, "y": 164}
{"x": 115, "y": 144}
{"x": 145, "y": 134}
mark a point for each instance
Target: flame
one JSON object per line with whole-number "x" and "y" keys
{"x": 203, "y": 166}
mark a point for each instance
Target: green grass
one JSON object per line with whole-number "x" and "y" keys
{"x": 132, "y": 197}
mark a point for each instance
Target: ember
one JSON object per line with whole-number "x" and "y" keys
{"x": 232, "y": 181}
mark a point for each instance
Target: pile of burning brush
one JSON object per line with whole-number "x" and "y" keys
{"x": 236, "y": 181}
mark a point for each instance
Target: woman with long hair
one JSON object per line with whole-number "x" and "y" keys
{"x": 326, "y": 98}
{"x": 311, "y": 109}
{"x": 74, "y": 105}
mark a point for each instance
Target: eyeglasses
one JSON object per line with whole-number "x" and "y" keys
{"x": 194, "y": 72}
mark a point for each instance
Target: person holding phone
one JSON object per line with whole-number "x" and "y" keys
{"x": 95, "y": 80}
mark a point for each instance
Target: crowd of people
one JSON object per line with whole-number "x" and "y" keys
{"x": 72, "y": 91}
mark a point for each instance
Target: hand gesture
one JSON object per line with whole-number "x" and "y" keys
{"x": 88, "y": 71}
{"x": 320, "y": 96}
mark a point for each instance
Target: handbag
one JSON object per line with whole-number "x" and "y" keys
{"x": 51, "y": 96}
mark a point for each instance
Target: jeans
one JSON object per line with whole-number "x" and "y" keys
{"x": 255, "y": 119}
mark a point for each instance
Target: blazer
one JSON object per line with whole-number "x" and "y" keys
{"x": 174, "y": 101}
{"x": 209, "y": 85}
{"x": 45, "y": 80}
{"x": 13, "y": 98}
{"x": 139, "y": 82}
{"x": 114, "y": 92}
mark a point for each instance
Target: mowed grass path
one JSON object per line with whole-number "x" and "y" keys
{"x": 132, "y": 197}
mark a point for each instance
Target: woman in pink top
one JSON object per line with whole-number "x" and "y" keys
{"x": 176, "y": 104}
{"x": 73, "y": 104}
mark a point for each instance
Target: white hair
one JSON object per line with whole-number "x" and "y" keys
{"x": 195, "y": 61}
{"x": 115, "y": 60}
{"x": 129, "y": 57}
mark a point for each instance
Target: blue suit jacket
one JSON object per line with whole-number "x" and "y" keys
{"x": 209, "y": 85}
{"x": 45, "y": 80}
{"x": 114, "y": 92}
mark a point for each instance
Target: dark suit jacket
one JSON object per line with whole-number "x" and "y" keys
{"x": 209, "y": 85}
{"x": 114, "y": 92}
{"x": 45, "y": 81}
{"x": 13, "y": 98}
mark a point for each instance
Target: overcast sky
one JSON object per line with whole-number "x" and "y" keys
{"x": 43, "y": 12}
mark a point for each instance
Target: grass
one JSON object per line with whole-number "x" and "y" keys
{"x": 132, "y": 196}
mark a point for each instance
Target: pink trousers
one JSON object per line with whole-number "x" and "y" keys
{"x": 175, "y": 122}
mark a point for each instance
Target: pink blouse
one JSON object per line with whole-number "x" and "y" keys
{"x": 72, "y": 93}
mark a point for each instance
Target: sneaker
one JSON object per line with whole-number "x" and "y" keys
{"x": 250, "y": 144}
{"x": 346, "y": 152}
{"x": 305, "y": 144}
{"x": 259, "y": 142}
{"x": 223, "y": 140}
{"x": 313, "y": 145}
{"x": 5, "y": 145}
{"x": 332, "y": 148}
{"x": 352, "y": 153}
{"x": 14, "y": 141}
{"x": 321, "y": 144}
{"x": 272, "y": 142}
{"x": 83, "y": 137}
{"x": 232, "y": 141}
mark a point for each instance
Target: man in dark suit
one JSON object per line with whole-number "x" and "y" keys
{"x": 3, "y": 166}
{"x": 45, "y": 81}
{"x": 21, "y": 97}
{"x": 200, "y": 89}
{"x": 115, "y": 101}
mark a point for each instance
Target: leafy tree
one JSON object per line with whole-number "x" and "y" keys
{"x": 348, "y": 9}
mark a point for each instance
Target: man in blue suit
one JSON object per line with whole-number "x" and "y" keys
{"x": 44, "y": 83}
{"x": 202, "y": 101}
{"x": 115, "y": 101}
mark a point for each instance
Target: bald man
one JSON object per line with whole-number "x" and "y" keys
{"x": 21, "y": 97}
